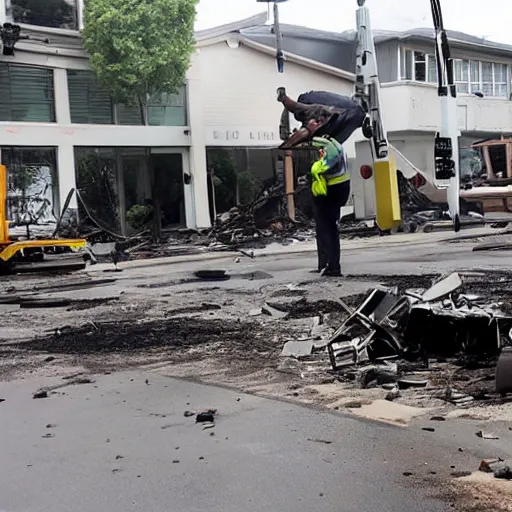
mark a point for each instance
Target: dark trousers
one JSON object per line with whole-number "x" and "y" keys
{"x": 327, "y": 212}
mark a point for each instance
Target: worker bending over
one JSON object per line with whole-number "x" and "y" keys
{"x": 331, "y": 190}
{"x": 328, "y": 120}
{"x": 322, "y": 113}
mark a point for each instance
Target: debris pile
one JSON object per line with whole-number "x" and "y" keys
{"x": 498, "y": 467}
{"x": 392, "y": 338}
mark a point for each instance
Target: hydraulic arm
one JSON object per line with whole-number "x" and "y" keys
{"x": 367, "y": 92}
{"x": 446, "y": 150}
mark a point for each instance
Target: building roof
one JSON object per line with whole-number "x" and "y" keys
{"x": 453, "y": 36}
{"x": 380, "y": 35}
{"x": 298, "y": 31}
{"x": 229, "y": 28}
{"x": 298, "y": 59}
{"x": 238, "y": 31}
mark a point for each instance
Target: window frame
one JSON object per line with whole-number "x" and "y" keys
{"x": 406, "y": 61}
{"x": 49, "y": 94}
{"x": 465, "y": 87}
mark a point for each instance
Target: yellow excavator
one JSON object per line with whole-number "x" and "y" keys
{"x": 32, "y": 255}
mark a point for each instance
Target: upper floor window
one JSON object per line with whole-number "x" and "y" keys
{"x": 89, "y": 103}
{"x": 44, "y": 13}
{"x": 26, "y": 94}
{"x": 417, "y": 66}
{"x": 488, "y": 78}
{"x": 167, "y": 109}
{"x": 471, "y": 76}
{"x": 92, "y": 104}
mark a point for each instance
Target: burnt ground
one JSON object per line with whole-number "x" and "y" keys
{"x": 206, "y": 331}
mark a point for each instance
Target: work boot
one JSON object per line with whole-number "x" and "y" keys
{"x": 328, "y": 272}
{"x": 317, "y": 270}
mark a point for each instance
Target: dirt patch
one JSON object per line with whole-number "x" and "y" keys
{"x": 481, "y": 492}
{"x": 128, "y": 337}
{"x": 403, "y": 282}
{"x": 81, "y": 305}
{"x": 304, "y": 308}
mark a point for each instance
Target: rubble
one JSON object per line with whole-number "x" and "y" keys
{"x": 414, "y": 327}
{"x": 485, "y": 435}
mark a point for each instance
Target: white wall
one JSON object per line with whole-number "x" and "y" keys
{"x": 240, "y": 105}
{"x": 64, "y": 135}
{"x": 408, "y": 106}
{"x": 417, "y": 148}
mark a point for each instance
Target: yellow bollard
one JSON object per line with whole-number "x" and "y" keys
{"x": 387, "y": 198}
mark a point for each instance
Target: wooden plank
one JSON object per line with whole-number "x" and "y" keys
{"x": 289, "y": 181}
{"x": 488, "y": 163}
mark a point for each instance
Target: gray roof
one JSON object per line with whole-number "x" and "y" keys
{"x": 453, "y": 35}
{"x": 256, "y": 27}
{"x": 298, "y": 31}
{"x": 237, "y": 26}
{"x": 422, "y": 34}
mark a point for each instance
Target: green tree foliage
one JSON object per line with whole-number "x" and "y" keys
{"x": 140, "y": 48}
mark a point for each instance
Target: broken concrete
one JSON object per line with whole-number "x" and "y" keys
{"x": 298, "y": 348}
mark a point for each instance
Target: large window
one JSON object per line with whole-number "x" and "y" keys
{"x": 88, "y": 101}
{"x": 489, "y": 78}
{"x": 129, "y": 190}
{"x": 44, "y": 13}
{"x": 26, "y": 94}
{"x": 92, "y": 104}
{"x": 32, "y": 184}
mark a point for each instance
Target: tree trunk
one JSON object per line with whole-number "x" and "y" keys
{"x": 156, "y": 231}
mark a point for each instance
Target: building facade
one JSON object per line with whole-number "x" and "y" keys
{"x": 59, "y": 130}
{"x": 410, "y": 105}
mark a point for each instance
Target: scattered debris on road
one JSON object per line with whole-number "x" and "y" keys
{"x": 500, "y": 469}
{"x": 485, "y": 435}
{"x": 322, "y": 441}
{"x": 207, "y": 416}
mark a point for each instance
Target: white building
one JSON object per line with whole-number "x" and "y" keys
{"x": 59, "y": 130}
{"x": 410, "y": 105}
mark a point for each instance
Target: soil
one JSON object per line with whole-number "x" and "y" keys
{"x": 130, "y": 336}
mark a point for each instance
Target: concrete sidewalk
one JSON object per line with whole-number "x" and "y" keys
{"x": 277, "y": 249}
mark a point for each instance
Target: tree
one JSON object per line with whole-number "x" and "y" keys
{"x": 140, "y": 48}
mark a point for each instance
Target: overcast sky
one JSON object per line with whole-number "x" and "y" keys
{"x": 338, "y": 15}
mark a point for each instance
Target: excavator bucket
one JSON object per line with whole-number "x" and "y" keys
{"x": 387, "y": 198}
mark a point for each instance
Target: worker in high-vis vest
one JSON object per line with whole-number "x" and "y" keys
{"x": 330, "y": 185}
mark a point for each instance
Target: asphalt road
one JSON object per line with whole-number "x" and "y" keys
{"x": 430, "y": 257}
{"x": 123, "y": 445}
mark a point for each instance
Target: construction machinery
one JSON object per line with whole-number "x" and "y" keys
{"x": 446, "y": 148}
{"x": 383, "y": 172}
{"x": 29, "y": 254}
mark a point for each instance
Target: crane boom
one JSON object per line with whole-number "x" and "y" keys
{"x": 446, "y": 149}
{"x": 367, "y": 93}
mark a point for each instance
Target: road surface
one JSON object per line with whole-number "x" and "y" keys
{"x": 122, "y": 445}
